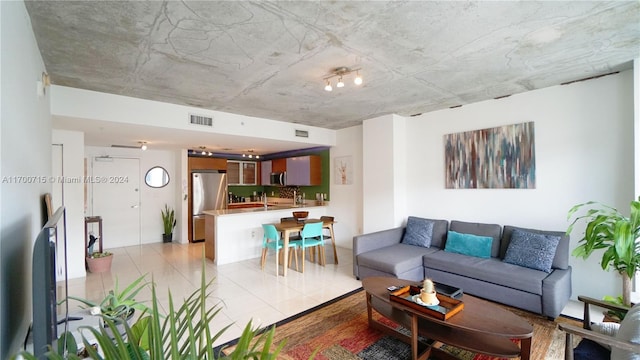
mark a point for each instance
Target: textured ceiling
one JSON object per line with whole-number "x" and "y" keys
{"x": 268, "y": 59}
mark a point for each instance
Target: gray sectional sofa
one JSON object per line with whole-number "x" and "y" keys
{"x": 532, "y": 274}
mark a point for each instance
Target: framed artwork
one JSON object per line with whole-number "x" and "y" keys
{"x": 343, "y": 170}
{"x": 496, "y": 158}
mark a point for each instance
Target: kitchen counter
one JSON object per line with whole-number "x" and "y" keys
{"x": 259, "y": 206}
{"x": 234, "y": 235}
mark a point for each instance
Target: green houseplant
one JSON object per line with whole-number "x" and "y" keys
{"x": 168, "y": 222}
{"x": 119, "y": 305}
{"x": 618, "y": 235}
{"x": 182, "y": 333}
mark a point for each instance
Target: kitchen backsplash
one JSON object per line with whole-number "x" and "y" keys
{"x": 286, "y": 192}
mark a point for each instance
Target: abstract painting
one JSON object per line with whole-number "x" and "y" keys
{"x": 496, "y": 158}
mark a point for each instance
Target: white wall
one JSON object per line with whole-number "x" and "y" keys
{"x": 85, "y": 104}
{"x": 584, "y": 151}
{"x": 73, "y": 197}
{"x": 346, "y": 200}
{"x": 384, "y": 172}
{"x": 152, "y": 200}
{"x": 25, "y": 150}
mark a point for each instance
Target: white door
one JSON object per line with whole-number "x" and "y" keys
{"x": 116, "y": 198}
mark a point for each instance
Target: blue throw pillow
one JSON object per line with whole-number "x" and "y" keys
{"x": 535, "y": 251}
{"x": 469, "y": 244}
{"x": 418, "y": 232}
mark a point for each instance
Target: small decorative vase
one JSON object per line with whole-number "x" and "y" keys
{"x": 429, "y": 298}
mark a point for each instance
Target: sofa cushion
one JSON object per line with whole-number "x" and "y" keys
{"x": 492, "y": 230}
{"x": 469, "y": 244}
{"x": 395, "y": 259}
{"x": 535, "y": 251}
{"x": 490, "y": 270}
{"x": 561, "y": 258}
{"x": 418, "y": 232}
{"x": 629, "y": 331}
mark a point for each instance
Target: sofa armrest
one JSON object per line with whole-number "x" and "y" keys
{"x": 556, "y": 291}
{"x": 373, "y": 241}
{"x": 377, "y": 240}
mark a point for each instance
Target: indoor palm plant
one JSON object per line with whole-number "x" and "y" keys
{"x": 168, "y": 222}
{"x": 617, "y": 235}
{"x": 182, "y": 333}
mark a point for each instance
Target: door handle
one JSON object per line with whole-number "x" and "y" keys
{"x": 134, "y": 206}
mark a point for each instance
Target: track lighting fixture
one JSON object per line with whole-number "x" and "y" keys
{"x": 340, "y": 72}
{"x": 143, "y": 145}
{"x": 250, "y": 154}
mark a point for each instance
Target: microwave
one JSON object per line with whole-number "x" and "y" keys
{"x": 278, "y": 178}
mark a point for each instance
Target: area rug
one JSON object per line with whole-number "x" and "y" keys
{"x": 339, "y": 330}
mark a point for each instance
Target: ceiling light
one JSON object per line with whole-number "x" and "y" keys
{"x": 143, "y": 145}
{"x": 250, "y": 154}
{"x": 358, "y": 79}
{"x": 340, "y": 73}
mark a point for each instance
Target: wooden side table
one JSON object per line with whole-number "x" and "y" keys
{"x": 87, "y": 221}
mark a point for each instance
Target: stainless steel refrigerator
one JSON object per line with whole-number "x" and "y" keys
{"x": 209, "y": 192}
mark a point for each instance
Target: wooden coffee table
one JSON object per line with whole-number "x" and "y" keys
{"x": 481, "y": 327}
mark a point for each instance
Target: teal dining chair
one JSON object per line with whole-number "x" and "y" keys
{"x": 311, "y": 237}
{"x": 271, "y": 240}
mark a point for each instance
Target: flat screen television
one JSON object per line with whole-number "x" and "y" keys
{"x": 48, "y": 268}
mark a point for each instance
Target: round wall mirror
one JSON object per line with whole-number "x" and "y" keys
{"x": 157, "y": 177}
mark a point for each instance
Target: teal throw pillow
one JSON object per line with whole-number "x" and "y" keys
{"x": 418, "y": 232}
{"x": 469, "y": 244}
{"x": 535, "y": 251}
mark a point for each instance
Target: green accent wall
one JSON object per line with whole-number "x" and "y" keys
{"x": 309, "y": 191}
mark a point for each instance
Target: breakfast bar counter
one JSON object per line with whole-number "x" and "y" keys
{"x": 234, "y": 235}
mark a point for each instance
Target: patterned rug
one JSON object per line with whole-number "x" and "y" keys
{"x": 339, "y": 330}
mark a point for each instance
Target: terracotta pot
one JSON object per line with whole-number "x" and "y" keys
{"x": 99, "y": 264}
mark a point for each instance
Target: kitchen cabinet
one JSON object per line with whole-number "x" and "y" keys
{"x": 265, "y": 172}
{"x": 278, "y": 165}
{"x": 241, "y": 172}
{"x": 304, "y": 170}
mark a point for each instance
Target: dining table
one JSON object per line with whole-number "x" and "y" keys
{"x": 289, "y": 227}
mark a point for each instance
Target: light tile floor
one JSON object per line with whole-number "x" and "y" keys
{"x": 246, "y": 292}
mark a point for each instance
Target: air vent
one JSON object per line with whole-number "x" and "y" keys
{"x": 302, "y": 133}
{"x": 201, "y": 120}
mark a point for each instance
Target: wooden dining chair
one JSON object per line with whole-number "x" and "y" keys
{"x": 271, "y": 240}
{"x": 311, "y": 238}
{"x": 293, "y": 235}
{"x": 328, "y": 236}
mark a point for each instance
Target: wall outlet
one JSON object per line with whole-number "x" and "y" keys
{"x": 253, "y": 234}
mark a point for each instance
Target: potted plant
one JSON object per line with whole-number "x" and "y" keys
{"x": 169, "y": 222}
{"x": 616, "y": 234}
{"x": 118, "y": 306}
{"x": 99, "y": 261}
{"x": 183, "y": 332}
